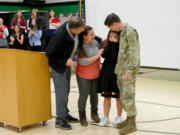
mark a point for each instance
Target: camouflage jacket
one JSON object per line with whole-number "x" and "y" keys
{"x": 129, "y": 52}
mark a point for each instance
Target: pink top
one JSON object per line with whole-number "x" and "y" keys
{"x": 22, "y": 23}
{"x": 89, "y": 72}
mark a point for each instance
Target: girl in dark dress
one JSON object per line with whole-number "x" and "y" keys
{"x": 16, "y": 39}
{"x": 107, "y": 85}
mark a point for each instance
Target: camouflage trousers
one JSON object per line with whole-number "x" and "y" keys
{"x": 127, "y": 94}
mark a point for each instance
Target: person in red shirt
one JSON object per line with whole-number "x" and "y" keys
{"x": 54, "y": 21}
{"x": 3, "y": 35}
{"x": 20, "y": 21}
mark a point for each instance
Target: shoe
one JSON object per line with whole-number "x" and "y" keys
{"x": 71, "y": 119}
{"x": 95, "y": 116}
{"x": 82, "y": 117}
{"x": 117, "y": 120}
{"x": 63, "y": 125}
{"x": 104, "y": 122}
{"x": 123, "y": 123}
{"x": 130, "y": 126}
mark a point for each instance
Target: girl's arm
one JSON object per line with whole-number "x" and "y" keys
{"x": 56, "y": 24}
{"x": 38, "y": 34}
{"x": 12, "y": 40}
{"x": 21, "y": 39}
{"x": 90, "y": 60}
{"x": 6, "y": 33}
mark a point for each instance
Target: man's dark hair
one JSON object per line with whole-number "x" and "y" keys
{"x": 112, "y": 18}
{"x": 75, "y": 22}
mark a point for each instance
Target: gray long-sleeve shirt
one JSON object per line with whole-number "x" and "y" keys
{"x": 90, "y": 50}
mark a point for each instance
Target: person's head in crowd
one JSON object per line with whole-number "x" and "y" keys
{"x": 16, "y": 29}
{"x": 85, "y": 37}
{"x": 33, "y": 24}
{"x": 68, "y": 18}
{"x": 52, "y": 14}
{"x": 54, "y": 21}
{"x": 1, "y": 21}
{"x": 76, "y": 25}
{"x": 18, "y": 15}
{"x": 113, "y": 22}
{"x": 34, "y": 13}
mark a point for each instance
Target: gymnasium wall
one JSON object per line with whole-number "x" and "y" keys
{"x": 157, "y": 22}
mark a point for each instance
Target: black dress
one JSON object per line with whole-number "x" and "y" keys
{"x": 107, "y": 84}
{"x": 16, "y": 45}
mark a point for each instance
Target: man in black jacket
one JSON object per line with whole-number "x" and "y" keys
{"x": 60, "y": 52}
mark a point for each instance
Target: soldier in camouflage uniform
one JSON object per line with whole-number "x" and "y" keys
{"x": 127, "y": 67}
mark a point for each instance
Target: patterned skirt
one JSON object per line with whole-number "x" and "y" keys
{"x": 3, "y": 42}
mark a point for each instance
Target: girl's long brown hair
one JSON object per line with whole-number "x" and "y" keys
{"x": 34, "y": 28}
{"x": 80, "y": 50}
{"x": 55, "y": 17}
{"x": 105, "y": 42}
{"x": 16, "y": 17}
{"x": 14, "y": 32}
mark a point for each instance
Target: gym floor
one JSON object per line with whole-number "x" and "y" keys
{"x": 157, "y": 100}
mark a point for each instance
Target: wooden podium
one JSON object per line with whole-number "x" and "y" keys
{"x": 25, "y": 96}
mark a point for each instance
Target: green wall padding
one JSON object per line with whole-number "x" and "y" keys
{"x": 13, "y": 8}
{"x": 59, "y": 9}
{"x": 73, "y": 8}
{"x": 63, "y": 9}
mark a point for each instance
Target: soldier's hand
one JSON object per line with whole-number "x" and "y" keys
{"x": 71, "y": 63}
{"x": 128, "y": 76}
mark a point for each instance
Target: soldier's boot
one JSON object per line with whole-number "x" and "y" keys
{"x": 82, "y": 117}
{"x": 122, "y": 124}
{"x": 95, "y": 116}
{"x": 129, "y": 127}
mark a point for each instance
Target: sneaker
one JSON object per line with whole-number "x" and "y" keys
{"x": 104, "y": 122}
{"x": 71, "y": 119}
{"x": 63, "y": 125}
{"x": 117, "y": 120}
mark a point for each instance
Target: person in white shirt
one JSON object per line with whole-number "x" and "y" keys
{"x": 54, "y": 21}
